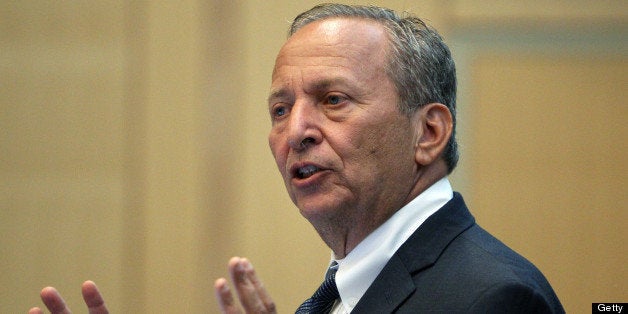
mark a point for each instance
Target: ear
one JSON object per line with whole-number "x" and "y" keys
{"x": 435, "y": 126}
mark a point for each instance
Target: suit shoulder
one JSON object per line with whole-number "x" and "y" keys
{"x": 503, "y": 262}
{"x": 477, "y": 271}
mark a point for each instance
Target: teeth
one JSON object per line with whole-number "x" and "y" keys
{"x": 306, "y": 171}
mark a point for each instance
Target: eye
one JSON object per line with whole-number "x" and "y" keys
{"x": 279, "y": 110}
{"x": 335, "y": 99}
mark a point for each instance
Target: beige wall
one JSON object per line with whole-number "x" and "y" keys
{"x": 134, "y": 152}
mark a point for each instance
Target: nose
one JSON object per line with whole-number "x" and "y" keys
{"x": 303, "y": 126}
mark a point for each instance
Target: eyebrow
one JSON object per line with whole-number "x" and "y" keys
{"x": 326, "y": 83}
{"x": 278, "y": 93}
{"x": 317, "y": 86}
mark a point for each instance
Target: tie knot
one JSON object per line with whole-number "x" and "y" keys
{"x": 324, "y": 298}
{"x": 331, "y": 271}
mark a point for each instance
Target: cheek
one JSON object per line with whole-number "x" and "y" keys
{"x": 362, "y": 154}
{"x": 385, "y": 147}
{"x": 278, "y": 152}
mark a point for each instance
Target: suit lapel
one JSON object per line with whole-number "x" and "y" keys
{"x": 387, "y": 291}
{"x": 394, "y": 283}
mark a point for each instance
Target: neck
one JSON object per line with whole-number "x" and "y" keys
{"x": 343, "y": 233}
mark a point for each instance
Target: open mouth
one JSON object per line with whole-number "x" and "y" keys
{"x": 306, "y": 171}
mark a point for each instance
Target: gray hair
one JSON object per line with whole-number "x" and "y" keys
{"x": 420, "y": 64}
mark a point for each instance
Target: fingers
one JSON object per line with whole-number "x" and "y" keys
{"x": 225, "y": 297}
{"x": 263, "y": 295}
{"x": 56, "y": 305}
{"x": 240, "y": 270}
{"x": 35, "y": 310}
{"x": 53, "y": 301}
{"x": 93, "y": 299}
{"x": 250, "y": 290}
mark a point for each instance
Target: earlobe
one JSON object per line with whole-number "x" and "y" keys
{"x": 436, "y": 126}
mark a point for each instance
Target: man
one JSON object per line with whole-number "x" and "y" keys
{"x": 362, "y": 104}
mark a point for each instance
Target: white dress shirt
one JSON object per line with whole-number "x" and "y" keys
{"x": 360, "y": 267}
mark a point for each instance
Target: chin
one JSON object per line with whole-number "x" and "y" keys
{"x": 324, "y": 212}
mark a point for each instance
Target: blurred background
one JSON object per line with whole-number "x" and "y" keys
{"x": 133, "y": 148}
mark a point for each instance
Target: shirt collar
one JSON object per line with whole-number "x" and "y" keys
{"x": 360, "y": 267}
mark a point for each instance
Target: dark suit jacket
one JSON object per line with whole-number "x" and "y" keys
{"x": 451, "y": 265}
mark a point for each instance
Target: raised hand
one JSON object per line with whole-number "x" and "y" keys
{"x": 251, "y": 293}
{"x": 56, "y": 305}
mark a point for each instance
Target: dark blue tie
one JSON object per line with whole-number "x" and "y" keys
{"x": 324, "y": 298}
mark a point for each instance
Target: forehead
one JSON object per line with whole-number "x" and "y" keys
{"x": 340, "y": 30}
{"x": 349, "y": 43}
